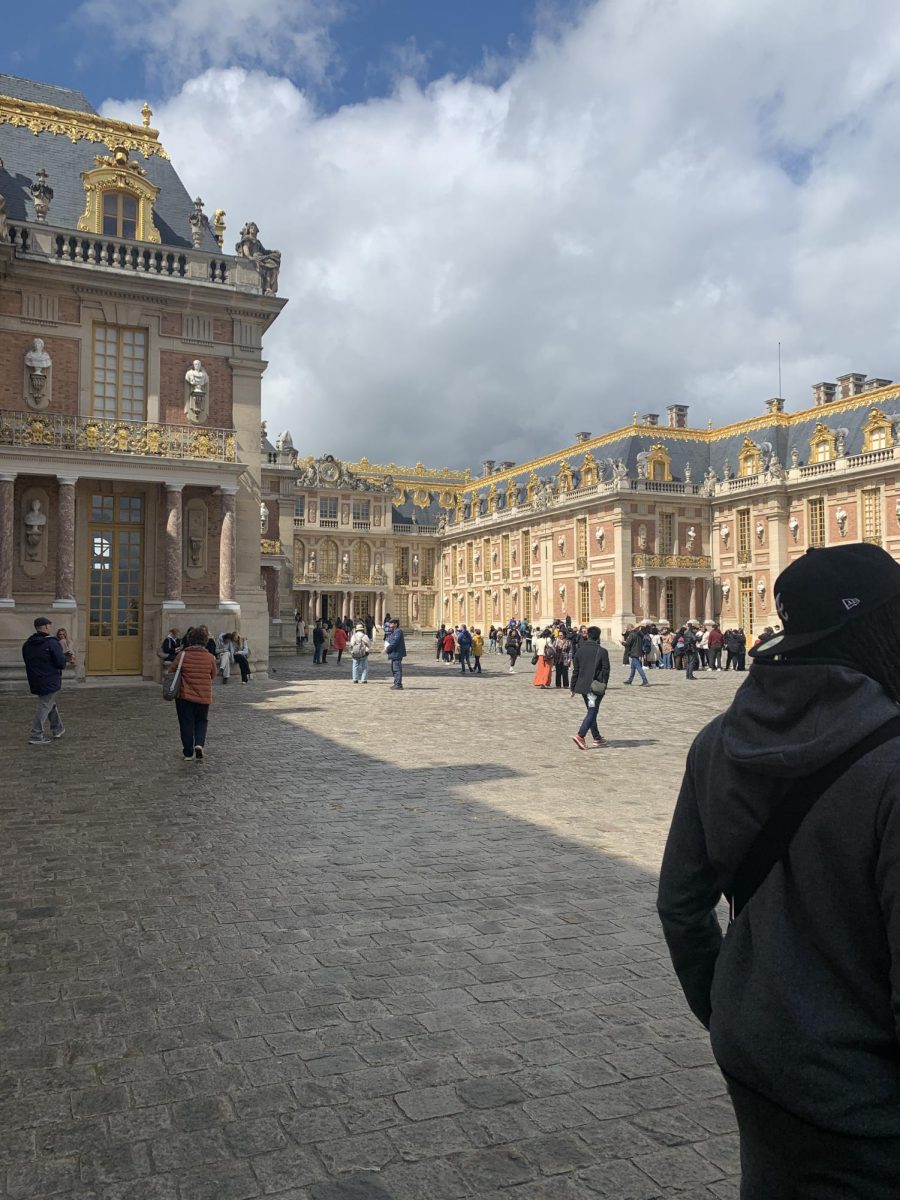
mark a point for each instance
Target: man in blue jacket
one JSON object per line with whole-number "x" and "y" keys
{"x": 44, "y": 665}
{"x": 464, "y": 641}
{"x": 396, "y": 652}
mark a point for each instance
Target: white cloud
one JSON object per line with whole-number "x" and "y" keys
{"x": 650, "y": 202}
{"x": 181, "y": 38}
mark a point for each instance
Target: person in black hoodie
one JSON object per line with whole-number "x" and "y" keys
{"x": 802, "y": 994}
{"x": 44, "y": 665}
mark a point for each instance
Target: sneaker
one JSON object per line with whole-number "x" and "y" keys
{"x": 645, "y": 685}
{"x": 579, "y": 741}
{"x": 628, "y": 682}
{"x": 58, "y": 733}
{"x": 198, "y": 753}
{"x": 511, "y": 671}
{"x": 43, "y": 740}
{"x": 187, "y": 757}
{"x": 599, "y": 743}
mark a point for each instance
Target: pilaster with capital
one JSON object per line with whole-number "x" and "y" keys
{"x": 7, "y": 539}
{"x": 65, "y": 543}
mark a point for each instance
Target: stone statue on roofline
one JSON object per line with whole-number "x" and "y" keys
{"x": 268, "y": 261}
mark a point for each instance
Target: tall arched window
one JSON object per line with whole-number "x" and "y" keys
{"x": 362, "y": 560}
{"x": 299, "y": 559}
{"x": 328, "y": 559}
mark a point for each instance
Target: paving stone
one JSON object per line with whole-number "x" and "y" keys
{"x": 293, "y": 951}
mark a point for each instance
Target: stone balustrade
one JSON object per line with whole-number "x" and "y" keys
{"x": 45, "y": 241}
{"x": 683, "y": 562}
{"x": 98, "y": 435}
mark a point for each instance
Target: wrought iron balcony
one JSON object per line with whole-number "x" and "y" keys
{"x": 689, "y": 562}
{"x": 99, "y": 435}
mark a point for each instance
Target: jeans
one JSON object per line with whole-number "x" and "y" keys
{"x": 786, "y": 1158}
{"x": 589, "y": 724}
{"x": 667, "y": 660}
{"x": 193, "y": 720}
{"x": 225, "y": 664}
{"x": 465, "y": 661}
{"x": 691, "y": 662}
{"x": 477, "y": 667}
{"x": 46, "y": 708}
{"x": 715, "y": 657}
{"x": 636, "y": 668}
{"x": 397, "y": 672}
{"x": 243, "y": 666}
{"x": 361, "y": 668}
{"x": 317, "y": 652}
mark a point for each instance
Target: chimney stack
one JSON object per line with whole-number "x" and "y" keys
{"x": 872, "y": 385}
{"x": 582, "y": 437}
{"x": 850, "y": 384}
{"x": 506, "y": 465}
{"x": 487, "y": 467}
{"x": 651, "y": 418}
{"x": 775, "y": 405}
{"x": 823, "y": 393}
{"x": 677, "y": 416}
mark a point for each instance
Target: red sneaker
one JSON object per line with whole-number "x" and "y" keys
{"x": 599, "y": 743}
{"x": 579, "y": 741}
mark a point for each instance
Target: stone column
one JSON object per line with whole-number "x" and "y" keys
{"x": 174, "y": 550}
{"x": 345, "y": 607}
{"x": 227, "y": 550}
{"x": 7, "y": 539}
{"x": 318, "y": 612}
{"x": 709, "y": 611}
{"x": 65, "y": 542}
{"x": 692, "y": 598}
{"x": 310, "y": 607}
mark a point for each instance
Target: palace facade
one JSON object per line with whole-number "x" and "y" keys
{"x": 130, "y": 377}
{"x": 657, "y": 522}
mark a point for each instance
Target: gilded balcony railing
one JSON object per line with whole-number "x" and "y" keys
{"x": 270, "y": 546}
{"x": 98, "y": 435}
{"x": 691, "y": 562}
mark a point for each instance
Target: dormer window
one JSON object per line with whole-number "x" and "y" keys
{"x": 120, "y": 214}
{"x": 822, "y": 444}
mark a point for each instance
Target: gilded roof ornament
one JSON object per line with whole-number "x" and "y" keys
{"x": 79, "y": 126}
{"x": 146, "y": 114}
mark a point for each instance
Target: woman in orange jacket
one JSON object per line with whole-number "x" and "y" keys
{"x": 198, "y": 670}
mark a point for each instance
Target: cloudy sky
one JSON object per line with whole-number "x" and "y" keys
{"x": 505, "y": 222}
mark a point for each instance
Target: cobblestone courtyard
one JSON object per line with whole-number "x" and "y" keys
{"x": 377, "y": 947}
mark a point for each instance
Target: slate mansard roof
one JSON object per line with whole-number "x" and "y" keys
{"x": 24, "y": 153}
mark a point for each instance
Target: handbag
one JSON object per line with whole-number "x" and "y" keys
{"x": 534, "y": 660}
{"x": 172, "y": 680}
{"x": 598, "y": 687}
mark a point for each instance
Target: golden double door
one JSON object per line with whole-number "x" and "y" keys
{"x": 115, "y": 571}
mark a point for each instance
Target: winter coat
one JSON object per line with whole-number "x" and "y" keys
{"x": 477, "y": 645}
{"x": 197, "y": 675}
{"x": 591, "y": 662}
{"x": 44, "y": 663}
{"x": 396, "y": 645}
{"x": 802, "y": 994}
{"x": 339, "y": 638}
{"x": 634, "y": 644}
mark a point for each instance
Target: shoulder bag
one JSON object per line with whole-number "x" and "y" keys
{"x": 771, "y": 843}
{"x": 172, "y": 680}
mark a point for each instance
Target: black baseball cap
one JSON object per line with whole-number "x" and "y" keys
{"x": 40, "y": 622}
{"x": 823, "y": 591}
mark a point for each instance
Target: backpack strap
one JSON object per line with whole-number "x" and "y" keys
{"x": 773, "y": 840}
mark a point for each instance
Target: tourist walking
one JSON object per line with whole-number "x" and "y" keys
{"x": 448, "y": 646}
{"x": 634, "y": 649}
{"x": 464, "y": 642}
{"x": 543, "y": 658}
{"x": 339, "y": 641}
{"x": 439, "y": 643}
{"x": 590, "y": 677}
{"x": 801, "y": 996}
{"x": 198, "y": 670}
{"x": 44, "y": 664}
{"x": 395, "y": 647}
{"x": 714, "y": 648}
{"x": 562, "y": 659}
{"x": 477, "y": 650}
{"x": 667, "y": 645}
{"x": 691, "y": 653}
{"x": 513, "y": 648}
{"x": 318, "y": 637}
{"x": 360, "y": 649}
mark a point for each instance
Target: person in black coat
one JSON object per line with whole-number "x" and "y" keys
{"x": 591, "y": 662}
{"x": 44, "y": 664}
